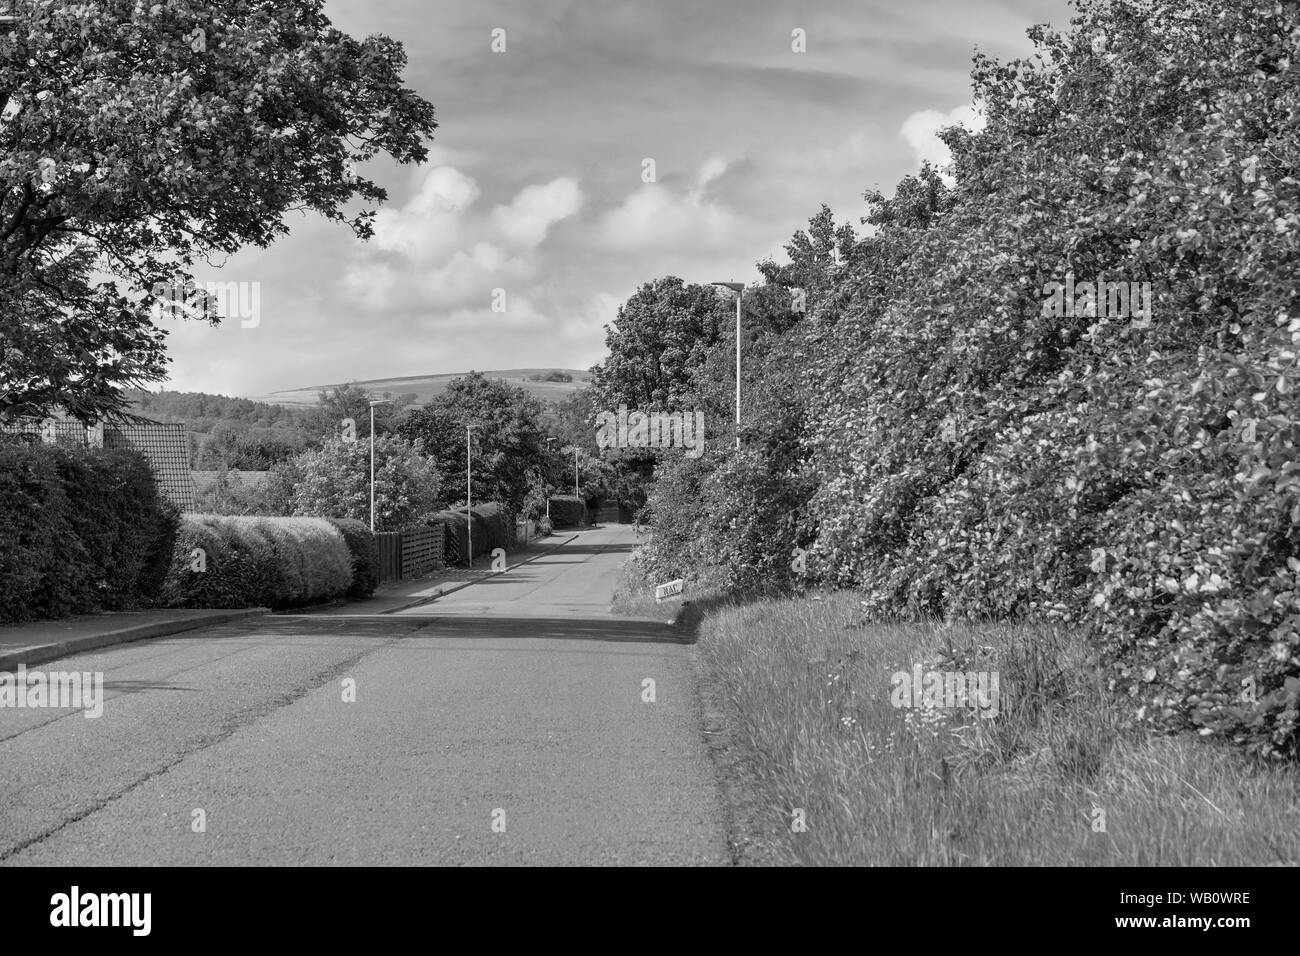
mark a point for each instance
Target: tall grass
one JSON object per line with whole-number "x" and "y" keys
{"x": 805, "y": 691}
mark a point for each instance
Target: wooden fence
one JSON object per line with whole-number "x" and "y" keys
{"x": 390, "y": 555}
{"x": 421, "y": 551}
{"x": 410, "y": 553}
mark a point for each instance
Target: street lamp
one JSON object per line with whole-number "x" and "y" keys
{"x": 548, "y": 486}
{"x": 739, "y": 289}
{"x": 469, "y": 503}
{"x": 382, "y": 401}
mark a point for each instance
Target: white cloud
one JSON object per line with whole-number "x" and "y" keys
{"x": 921, "y": 128}
{"x": 526, "y": 220}
{"x": 423, "y": 227}
{"x": 655, "y": 218}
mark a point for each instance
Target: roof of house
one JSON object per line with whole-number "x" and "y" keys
{"x": 163, "y": 445}
{"x": 168, "y": 453}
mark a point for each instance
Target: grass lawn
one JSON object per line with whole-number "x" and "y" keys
{"x": 801, "y": 709}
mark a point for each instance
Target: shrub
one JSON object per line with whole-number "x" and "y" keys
{"x": 365, "y": 556}
{"x": 496, "y": 526}
{"x": 568, "y": 511}
{"x": 334, "y": 481}
{"x": 455, "y": 532}
{"x": 979, "y": 451}
{"x": 493, "y": 528}
{"x": 80, "y": 530}
{"x": 256, "y": 561}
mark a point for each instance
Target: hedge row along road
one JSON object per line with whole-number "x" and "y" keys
{"x": 517, "y": 700}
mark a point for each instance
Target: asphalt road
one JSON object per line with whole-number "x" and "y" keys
{"x": 503, "y": 724}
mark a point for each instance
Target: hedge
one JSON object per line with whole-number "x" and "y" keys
{"x": 249, "y": 561}
{"x": 365, "y": 556}
{"x": 568, "y": 511}
{"x": 493, "y": 528}
{"x": 81, "y": 530}
{"x": 455, "y": 528}
{"x": 495, "y": 524}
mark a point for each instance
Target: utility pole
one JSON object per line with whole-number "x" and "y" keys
{"x": 739, "y": 289}
{"x": 548, "y": 485}
{"x": 383, "y": 401}
{"x": 469, "y": 502}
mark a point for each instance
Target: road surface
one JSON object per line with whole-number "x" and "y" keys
{"x": 504, "y": 724}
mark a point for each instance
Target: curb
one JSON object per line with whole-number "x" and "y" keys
{"x": 441, "y": 592}
{"x": 40, "y": 653}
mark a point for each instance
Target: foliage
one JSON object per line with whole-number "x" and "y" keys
{"x": 496, "y": 524}
{"x": 958, "y": 447}
{"x": 333, "y": 481}
{"x": 662, "y": 334}
{"x": 568, "y": 511}
{"x": 365, "y": 556}
{"x": 149, "y": 136}
{"x": 233, "y": 562}
{"x": 80, "y": 530}
{"x": 507, "y": 437}
{"x": 325, "y": 419}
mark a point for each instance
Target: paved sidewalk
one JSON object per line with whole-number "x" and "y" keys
{"x": 398, "y": 595}
{"x": 40, "y": 641}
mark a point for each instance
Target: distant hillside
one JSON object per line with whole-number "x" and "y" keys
{"x": 425, "y": 387}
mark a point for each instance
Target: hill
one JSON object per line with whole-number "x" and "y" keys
{"x": 425, "y": 387}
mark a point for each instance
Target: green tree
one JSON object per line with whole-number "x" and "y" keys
{"x": 662, "y": 334}
{"x": 333, "y": 481}
{"x": 507, "y": 439}
{"x": 333, "y": 406}
{"x": 142, "y": 137}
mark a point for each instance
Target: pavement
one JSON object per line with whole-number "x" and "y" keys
{"x": 399, "y": 595}
{"x": 37, "y": 642}
{"x": 514, "y": 721}
{"x": 40, "y": 641}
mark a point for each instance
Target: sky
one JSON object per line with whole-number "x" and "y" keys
{"x": 535, "y": 183}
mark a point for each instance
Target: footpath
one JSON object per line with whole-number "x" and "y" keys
{"x": 37, "y": 642}
{"x": 397, "y": 596}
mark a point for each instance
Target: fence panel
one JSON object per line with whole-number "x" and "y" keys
{"x": 421, "y": 550}
{"x": 389, "y": 544}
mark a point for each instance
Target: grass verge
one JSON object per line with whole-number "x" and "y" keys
{"x": 800, "y": 706}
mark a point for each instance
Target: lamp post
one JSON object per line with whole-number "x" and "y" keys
{"x": 382, "y": 401}
{"x": 469, "y": 502}
{"x": 575, "y": 473}
{"x": 548, "y": 492}
{"x": 739, "y": 289}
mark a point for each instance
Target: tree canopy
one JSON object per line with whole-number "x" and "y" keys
{"x": 140, "y": 138}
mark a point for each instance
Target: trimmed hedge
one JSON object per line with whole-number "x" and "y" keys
{"x": 252, "y": 561}
{"x": 568, "y": 511}
{"x": 365, "y": 556}
{"x": 493, "y": 528}
{"x": 495, "y": 524}
{"x": 81, "y": 529}
{"x": 455, "y": 529}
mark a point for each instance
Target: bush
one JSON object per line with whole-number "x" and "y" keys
{"x": 493, "y": 528}
{"x": 365, "y": 556}
{"x": 255, "y": 562}
{"x": 983, "y": 449}
{"x": 496, "y": 525}
{"x": 80, "y": 530}
{"x": 568, "y": 511}
{"x": 455, "y": 532}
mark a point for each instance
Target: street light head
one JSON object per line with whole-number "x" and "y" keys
{"x": 381, "y": 401}
{"x": 733, "y": 286}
